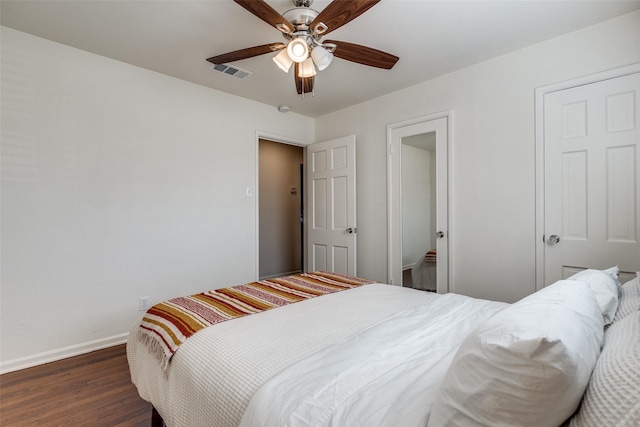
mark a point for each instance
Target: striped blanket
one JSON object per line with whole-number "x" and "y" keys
{"x": 431, "y": 256}
{"x": 168, "y": 324}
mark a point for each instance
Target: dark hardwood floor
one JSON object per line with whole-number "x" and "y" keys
{"x": 94, "y": 389}
{"x": 407, "y": 281}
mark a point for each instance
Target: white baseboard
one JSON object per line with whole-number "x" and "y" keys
{"x": 61, "y": 353}
{"x": 288, "y": 273}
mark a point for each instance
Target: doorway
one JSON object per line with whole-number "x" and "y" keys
{"x": 280, "y": 210}
{"x": 418, "y": 203}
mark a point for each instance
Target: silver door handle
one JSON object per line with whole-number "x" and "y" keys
{"x": 440, "y": 235}
{"x": 553, "y": 239}
{"x": 352, "y": 230}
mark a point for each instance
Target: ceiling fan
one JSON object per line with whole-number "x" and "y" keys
{"x": 303, "y": 29}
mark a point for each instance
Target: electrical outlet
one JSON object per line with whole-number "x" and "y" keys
{"x": 143, "y": 303}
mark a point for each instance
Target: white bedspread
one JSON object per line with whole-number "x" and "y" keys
{"x": 213, "y": 375}
{"x": 385, "y": 376}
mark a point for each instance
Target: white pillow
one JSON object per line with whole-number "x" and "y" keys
{"x": 613, "y": 394}
{"x": 605, "y": 286}
{"x": 527, "y": 365}
{"x": 629, "y": 298}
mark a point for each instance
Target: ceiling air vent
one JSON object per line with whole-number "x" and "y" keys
{"x": 232, "y": 71}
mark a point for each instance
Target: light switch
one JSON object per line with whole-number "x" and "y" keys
{"x": 248, "y": 191}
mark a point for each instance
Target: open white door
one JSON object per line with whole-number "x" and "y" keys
{"x": 591, "y": 178}
{"x": 331, "y": 206}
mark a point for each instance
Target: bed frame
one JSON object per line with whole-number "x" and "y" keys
{"x": 156, "y": 419}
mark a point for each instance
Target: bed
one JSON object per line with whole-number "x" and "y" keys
{"x": 424, "y": 272}
{"x": 381, "y": 355}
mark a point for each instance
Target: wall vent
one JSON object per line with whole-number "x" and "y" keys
{"x": 232, "y": 71}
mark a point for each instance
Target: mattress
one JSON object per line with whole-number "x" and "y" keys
{"x": 213, "y": 377}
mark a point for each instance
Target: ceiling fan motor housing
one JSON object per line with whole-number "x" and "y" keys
{"x": 300, "y": 18}
{"x": 302, "y": 3}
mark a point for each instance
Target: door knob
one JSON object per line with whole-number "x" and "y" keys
{"x": 553, "y": 239}
{"x": 352, "y": 230}
{"x": 440, "y": 235}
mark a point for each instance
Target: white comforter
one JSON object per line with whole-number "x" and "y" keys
{"x": 212, "y": 376}
{"x": 388, "y": 375}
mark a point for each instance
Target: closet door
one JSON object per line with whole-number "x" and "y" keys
{"x": 591, "y": 178}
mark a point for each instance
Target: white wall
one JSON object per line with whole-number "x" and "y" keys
{"x": 493, "y": 218}
{"x": 117, "y": 183}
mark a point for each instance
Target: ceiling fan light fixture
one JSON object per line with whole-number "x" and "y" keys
{"x": 321, "y": 57}
{"x": 283, "y": 61}
{"x": 298, "y": 49}
{"x": 307, "y": 69}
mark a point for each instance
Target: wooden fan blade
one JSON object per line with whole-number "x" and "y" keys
{"x": 265, "y": 12}
{"x": 363, "y": 55}
{"x": 303, "y": 84}
{"x": 340, "y": 12}
{"x": 249, "y": 52}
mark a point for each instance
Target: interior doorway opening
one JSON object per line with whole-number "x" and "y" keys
{"x": 280, "y": 210}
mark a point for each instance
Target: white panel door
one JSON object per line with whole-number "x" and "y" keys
{"x": 591, "y": 179}
{"x": 331, "y": 208}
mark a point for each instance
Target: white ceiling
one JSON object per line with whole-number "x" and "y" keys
{"x": 430, "y": 37}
